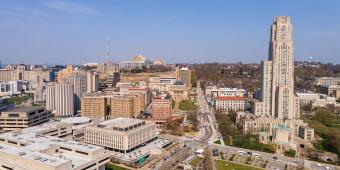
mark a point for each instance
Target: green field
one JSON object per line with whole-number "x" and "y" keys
{"x": 226, "y": 165}
{"x": 114, "y": 167}
{"x": 244, "y": 142}
{"x": 194, "y": 162}
{"x": 18, "y": 99}
{"x": 187, "y": 105}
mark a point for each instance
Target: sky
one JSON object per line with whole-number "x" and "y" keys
{"x": 179, "y": 31}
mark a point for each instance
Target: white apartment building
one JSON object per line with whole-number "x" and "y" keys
{"x": 60, "y": 99}
{"x": 234, "y": 103}
{"x": 23, "y": 117}
{"x": 328, "y": 81}
{"x": 129, "y": 65}
{"x": 225, "y": 91}
{"x": 9, "y": 88}
{"x": 121, "y": 134}
{"x": 92, "y": 82}
{"x": 28, "y": 150}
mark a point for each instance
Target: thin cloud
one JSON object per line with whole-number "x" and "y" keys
{"x": 24, "y": 13}
{"x": 72, "y": 7}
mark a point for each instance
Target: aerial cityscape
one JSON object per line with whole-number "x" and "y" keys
{"x": 76, "y": 102}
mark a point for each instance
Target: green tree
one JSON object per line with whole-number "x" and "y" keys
{"x": 324, "y": 116}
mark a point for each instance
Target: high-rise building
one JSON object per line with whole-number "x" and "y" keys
{"x": 77, "y": 82}
{"x": 277, "y": 81}
{"x": 92, "y": 82}
{"x": 63, "y": 74}
{"x": 184, "y": 74}
{"x": 64, "y": 99}
{"x": 60, "y": 99}
{"x": 106, "y": 106}
{"x": 161, "y": 108}
{"x": 277, "y": 114}
{"x": 95, "y": 106}
{"x": 50, "y": 96}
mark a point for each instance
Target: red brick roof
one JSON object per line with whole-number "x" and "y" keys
{"x": 230, "y": 98}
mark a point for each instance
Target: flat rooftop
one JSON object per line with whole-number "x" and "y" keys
{"x": 121, "y": 122}
{"x": 24, "y": 109}
{"x": 35, "y": 146}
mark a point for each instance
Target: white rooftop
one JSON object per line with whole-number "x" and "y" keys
{"x": 121, "y": 122}
{"x": 31, "y": 145}
{"x": 76, "y": 120}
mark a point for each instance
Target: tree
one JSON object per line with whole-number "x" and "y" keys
{"x": 208, "y": 162}
{"x": 324, "y": 116}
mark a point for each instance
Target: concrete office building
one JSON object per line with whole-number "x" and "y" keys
{"x": 92, "y": 82}
{"x": 278, "y": 102}
{"x": 23, "y": 117}
{"x": 78, "y": 84}
{"x": 64, "y": 100}
{"x": 60, "y": 99}
{"x": 50, "y": 96}
{"x": 30, "y": 150}
{"x": 121, "y": 134}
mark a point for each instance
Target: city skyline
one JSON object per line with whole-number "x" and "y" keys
{"x": 75, "y": 32}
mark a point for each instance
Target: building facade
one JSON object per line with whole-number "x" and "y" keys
{"x": 161, "y": 108}
{"x": 9, "y": 88}
{"x": 30, "y": 148}
{"x": 60, "y": 99}
{"x": 278, "y": 111}
{"x": 121, "y": 134}
{"x": 234, "y": 103}
{"x": 277, "y": 80}
{"x": 23, "y": 117}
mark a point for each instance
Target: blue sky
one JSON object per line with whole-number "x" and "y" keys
{"x": 194, "y": 31}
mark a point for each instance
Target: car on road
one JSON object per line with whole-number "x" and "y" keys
{"x": 242, "y": 152}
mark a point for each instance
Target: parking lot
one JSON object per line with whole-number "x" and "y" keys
{"x": 258, "y": 161}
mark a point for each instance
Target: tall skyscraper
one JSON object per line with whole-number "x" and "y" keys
{"x": 277, "y": 81}
{"x": 64, "y": 99}
{"x": 277, "y": 112}
{"x": 60, "y": 99}
{"x": 92, "y": 82}
{"x": 78, "y": 84}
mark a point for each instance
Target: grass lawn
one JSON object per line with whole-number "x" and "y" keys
{"x": 226, "y": 165}
{"x": 194, "y": 162}
{"x": 244, "y": 142}
{"x": 187, "y": 105}
{"x": 217, "y": 142}
{"x": 18, "y": 99}
{"x": 114, "y": 167}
